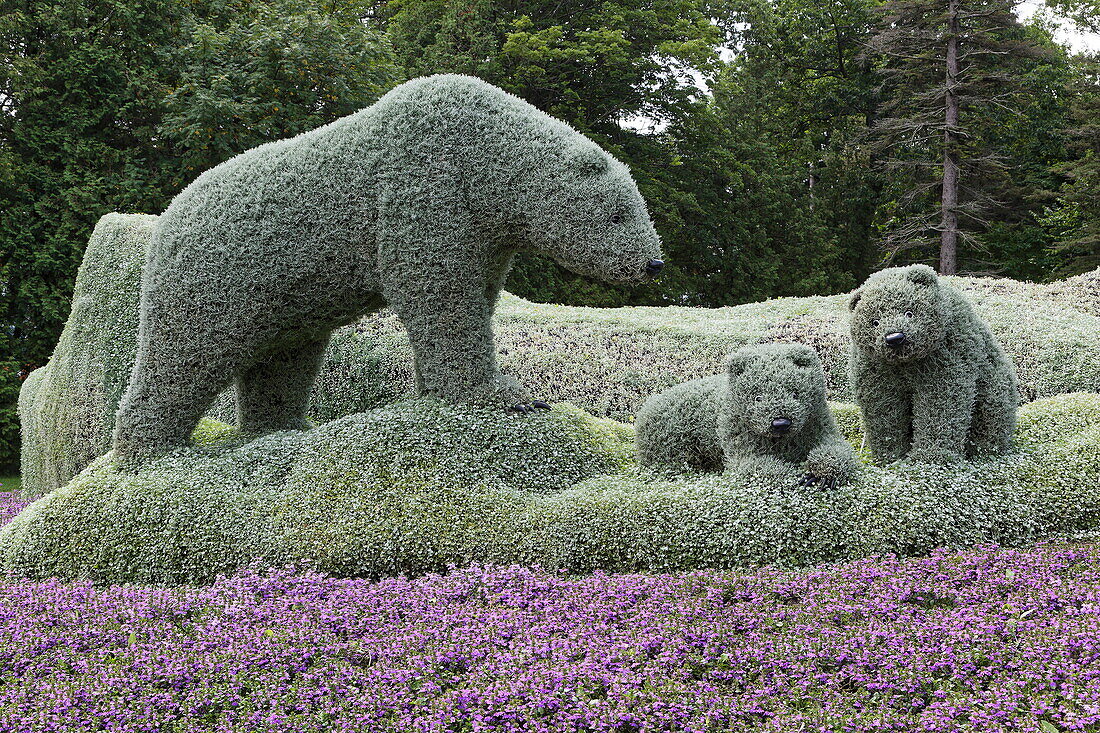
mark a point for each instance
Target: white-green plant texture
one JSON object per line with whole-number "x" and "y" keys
{"x": 677, "y": 429}
{"x": 931, "y": 380}
{"x": 413, "y": 486}
{"x": 67, "y": 408}
{"x": 418, "y": 202}
{"x": 774, "y": 420}
{"x": 607, "y": 361}
{"x": 765, "y": 417}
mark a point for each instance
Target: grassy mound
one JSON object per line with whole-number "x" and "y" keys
{"x": 414, "y": 486}
{"x": 609, "y": 360}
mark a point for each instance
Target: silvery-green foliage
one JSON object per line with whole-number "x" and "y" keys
{"x": 931, "y": 380}
{"x": 605, "y": 360}
{"x": 67, "y": 408}
{"x": 609, "y": 361}
{"x": 781, "y": 383}
{"x": 38, "y": 465}
{"x": 417, "y": 202}
{"x": 728, "y": 421}
{"x": 411, "y": 487}
{"x": 678, "y": 429}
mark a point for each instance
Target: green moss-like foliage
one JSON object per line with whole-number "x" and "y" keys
{"x": 931, "y": 381}
{"x": 67, "y": 408}
{"x": 678, "y": 429}
{"x": 766, "y": 416}
{"x": 413, "y": 486}
{"x": 774, "y": 420}
{"x": 607, "y": 361}
{"x": 417, "y": 202}
{"x": 610, "y": 360}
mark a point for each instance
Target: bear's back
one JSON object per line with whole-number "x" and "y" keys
{"x": 319, "y": 189}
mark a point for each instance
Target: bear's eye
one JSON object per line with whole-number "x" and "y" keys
{"x": 616, "y": 218}
{"x": 908, "y": 314}
{"x": 794, "y": 395}
{"x": 874, "y": 323}
{"x": 759, "y": 398}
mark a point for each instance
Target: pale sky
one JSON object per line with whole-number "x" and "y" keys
{"x": 1077, "y": 40}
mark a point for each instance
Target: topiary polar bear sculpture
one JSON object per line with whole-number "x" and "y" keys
{"x": 775, "y": 418}
{"x": 417, "y": 202}
{"x": 931, "y": 381}
{"x": 767, "y": 415}
{"x": 678, "y": 428}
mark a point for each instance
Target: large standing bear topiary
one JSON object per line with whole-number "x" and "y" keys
{"x": 767, "y": 416}
{"x": 417, "y": 202}
{"x": 931, "y": 380}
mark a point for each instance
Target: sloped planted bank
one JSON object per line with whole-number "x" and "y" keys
{"x": 417, "y": 485}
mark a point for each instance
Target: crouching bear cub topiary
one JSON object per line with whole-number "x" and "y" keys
{"x": 767, "y": 415}
{"x": 931, "y": 381}
{"x": 419, "y": 203}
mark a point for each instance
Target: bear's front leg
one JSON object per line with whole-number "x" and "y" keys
{"x": 885, "y": 407}
{"x": 942, "y": 414}
{"x": 452, "y": 341}
{"x": 831, "y": 464}
{"x": 439, "y": 274}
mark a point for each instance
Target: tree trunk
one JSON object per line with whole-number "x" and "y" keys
{"x": 949, "y": 224}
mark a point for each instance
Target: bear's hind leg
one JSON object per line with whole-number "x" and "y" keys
{"x": 273, "y": 393}
{"x": 164, "y": 401}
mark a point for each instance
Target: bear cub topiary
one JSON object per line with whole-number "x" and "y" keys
{"x": 767, "y": 415}
{"x": 931, "y": 381}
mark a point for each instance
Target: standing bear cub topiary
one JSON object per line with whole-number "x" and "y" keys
{"x": 931, "y": 381}
{"x": 766, "y": 416}
{"x": 419, "y": 203}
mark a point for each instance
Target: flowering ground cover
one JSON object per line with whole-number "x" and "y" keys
{"x": 11, "y": 503}
{"x": 986, "y": 640}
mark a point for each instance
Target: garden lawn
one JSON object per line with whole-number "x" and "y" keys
{"x": 986, "y": 640}
{"x": 10, "y": 484}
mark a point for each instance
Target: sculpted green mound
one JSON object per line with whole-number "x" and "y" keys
{"x": 67, "y": 408}
{"x": 413, "y": 486}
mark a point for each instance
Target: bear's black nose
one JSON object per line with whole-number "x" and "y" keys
{"x": 654, "y": 266}
{"x": 781, "y": 424}
{"x": 896, "y": 339}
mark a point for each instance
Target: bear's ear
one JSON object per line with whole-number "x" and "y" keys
{"x": 588, "y": 160}
{"x": 922, "y": 275}
{"x": 805, "y": 357}
{"x": 737, "y": 363}
{"x": 853, "y": 299}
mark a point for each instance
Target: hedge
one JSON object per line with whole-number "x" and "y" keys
{"x": 417, "y": 485}
{"x": 605, "y": 360}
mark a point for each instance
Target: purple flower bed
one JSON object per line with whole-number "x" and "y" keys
{"x": 989, "y": 640}
{"x": 10, "y": 504}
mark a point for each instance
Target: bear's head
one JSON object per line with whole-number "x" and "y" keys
{"x": 775, "y": 390}
{"x": 900, "y": 314}
{"x": 589, "y": 217}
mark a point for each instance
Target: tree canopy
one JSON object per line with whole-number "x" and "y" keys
{"x": 764, "y": 134}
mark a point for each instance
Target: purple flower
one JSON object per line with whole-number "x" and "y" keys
{"x": 987, "y": 640}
